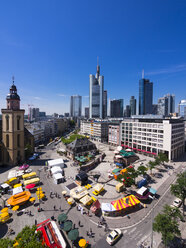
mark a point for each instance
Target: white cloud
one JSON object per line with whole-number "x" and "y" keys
{"x": 173, "y": 69}
{"x": 62, "y": 95}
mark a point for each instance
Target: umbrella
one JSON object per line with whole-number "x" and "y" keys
{"x": 4, "y": 210}
{"x": 62, "y": 217}
{"x": 39, "y": 189}
{"x": 30, "y": 186}
{"x": 4, "y": 214}
{"x": 70, "y": 200}
{"x": 64, "y": 192}
{"x": 67, "y": 226}
{"x": 15, "y": 208}
{"x": 17, "y": 185}
{"x": 73, "y": 234}
{"x": 82, "y": 242}
{"x": 32, "y": 199}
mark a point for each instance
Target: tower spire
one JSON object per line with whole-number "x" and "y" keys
{"x": 98, "y": 67}
{"x": 13, "y": 79}
{"x": 143, "y": 74}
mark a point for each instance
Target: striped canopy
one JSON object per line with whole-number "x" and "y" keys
{"x": 125, "y": 202}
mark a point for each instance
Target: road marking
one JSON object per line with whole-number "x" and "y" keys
{"x": 124, "y": 231}
{"x": 131, "y": 231}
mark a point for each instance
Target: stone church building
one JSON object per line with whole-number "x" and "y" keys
{"x": 14, "y": 136}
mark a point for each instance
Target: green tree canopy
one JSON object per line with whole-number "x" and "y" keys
{"x": 167, "y": 226}
{"x": 6, "y": 243}
{"x": 152, "y": 165}
{"x": 142, "y": 170}
{"x": 28, "y": 238}
{"x": 162, "y": 157}
{"x": 179, "y": 188}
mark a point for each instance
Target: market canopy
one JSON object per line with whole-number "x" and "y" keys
{"x": 82, "y": 242}
{"x": 127, "y": 154}
{"x": 125, "y": 202}
{"x": 62, "y": 217}
{"x": 73, "y": 234}
{"x": 86, "y": 200}
{"x": 98, "y": 187}
{"x": 107, "y": 207}
{"x": 116, "y": 171}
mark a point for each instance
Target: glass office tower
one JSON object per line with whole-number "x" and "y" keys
{"x": 145, "y": 96}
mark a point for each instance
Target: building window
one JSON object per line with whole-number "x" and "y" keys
{"x": 7, "y": 122}
{"x": 18, "y": 140}
{"x": 7, "y": 140}
{"x": 18, "y": 122}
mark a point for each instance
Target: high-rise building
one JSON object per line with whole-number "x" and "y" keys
{"x": 145, "y": 96}
{"x": 154, "y": 109}
{"x": 116, "y": 108}
{"x": 87, "y": 112}
{"x": 127, "y": 112}
{"x": 75, "y": 106}
{"x": 104, "y": 104}
{"x": 166, "y": 105}
{"x": 133, "y": 105}
{"x": 182, "y": 109}
{"x": 33, "y": 114}
{"x": 96, "y": 95}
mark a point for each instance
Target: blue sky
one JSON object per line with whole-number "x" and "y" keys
{"x": 51, "y": 47}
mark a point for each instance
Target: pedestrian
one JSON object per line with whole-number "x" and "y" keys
{"x": 60, "y": 208}
{"x": 35, "y": 222}
{"x": 79, "y": 223}
{"x": 56, "y": 194}
{"x": 74, "y": 226}
{"x": 54, "y": 207}
{"x": 30, "y": 213}
{"x": 88, "y": 213}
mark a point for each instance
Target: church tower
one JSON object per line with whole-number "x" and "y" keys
{"x": 13, "y": 129}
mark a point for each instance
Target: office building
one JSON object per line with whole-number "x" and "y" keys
{"x": 75, "y": 106}
{"x": 116, "y": 108}
{"x": 154, "y": 109}
{"x": 66, "y": 114}
{"x": 166, "y": 105}
{"x": 127, "y": 112}
{"x": 182, "y": 109}
{"x": 145, "y": 96}
{"x": 96, "y": 95}
{"x": 132, "y": 105}
{"x": 33, "y": 114}
{"x": 152, "y": 135}
{"x": 104, "y": 104}
{"x": 42, "y": 114}
{"x": 87, "y": 112}
{"x": 114, "y": 134}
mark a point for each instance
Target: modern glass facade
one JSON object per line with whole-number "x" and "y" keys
{"x": 75, "y": 106}
{"x": 132, "y": 105}
{"x": 116, "y": 108}
{"x": 96, "y": 95}
{"x": 145, "y": 96}
{"x": 182, "y": 109}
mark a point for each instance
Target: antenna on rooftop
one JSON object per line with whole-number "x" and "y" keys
{"x": 143, "y": 74}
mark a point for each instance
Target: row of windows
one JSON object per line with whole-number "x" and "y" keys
{"x": 7, "y": 122}
{"x": 8, "y": 142}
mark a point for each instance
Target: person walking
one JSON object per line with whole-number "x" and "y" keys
{"x": 79, "y": 223}
{"x": 54, "y": 207}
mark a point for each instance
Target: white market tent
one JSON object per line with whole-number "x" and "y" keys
{"x": 56, "y": 170}
{"x": 119, "y": 148}
{"x": 56, "y": 162}
{"x": 107, "y": 207}
{"x": 57, "y": 176}
{"x": 141, "y": 190}
{"x": 15, "y": 173}
{"x": 17, "y": 190}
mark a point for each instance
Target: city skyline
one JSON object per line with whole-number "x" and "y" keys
{"x": 49, "y": 65}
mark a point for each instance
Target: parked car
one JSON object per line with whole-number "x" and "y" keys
{"x": 176, "y": 203}
{"x": 36, "y": 155}
{"x": 113, "y": 237}
{"x": 24, "y": 167}
{"x": 32, "y": 158}
{"x": 147, "y": 177}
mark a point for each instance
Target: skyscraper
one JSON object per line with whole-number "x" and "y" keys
{"x": 127, "y": 112}
{"x": 182, "y": 109}
{"x": 145, "y": 96}
{"x": 87, "y": 112}
{"x": 116, "y": 108}
{"x": 104, "y": 104}
{"x": 132, "y": 105}
{"x": 96, "y": 95}
{"x": 75, "y": 106}
{"x": 166, "y": 105}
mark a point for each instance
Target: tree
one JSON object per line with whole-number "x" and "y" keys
{"x": 172, "y": 212}
{"x": 167, "y": 226}
{"x": 179, "y": 188}
{"x": 162, "y": 157}
{"x": 142, "y": 170}
{"x": 6, "y": 243}
{"x": 128, "y": 180}
{"x": 152, "y": 165}
{"x": 28, "y": 238}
